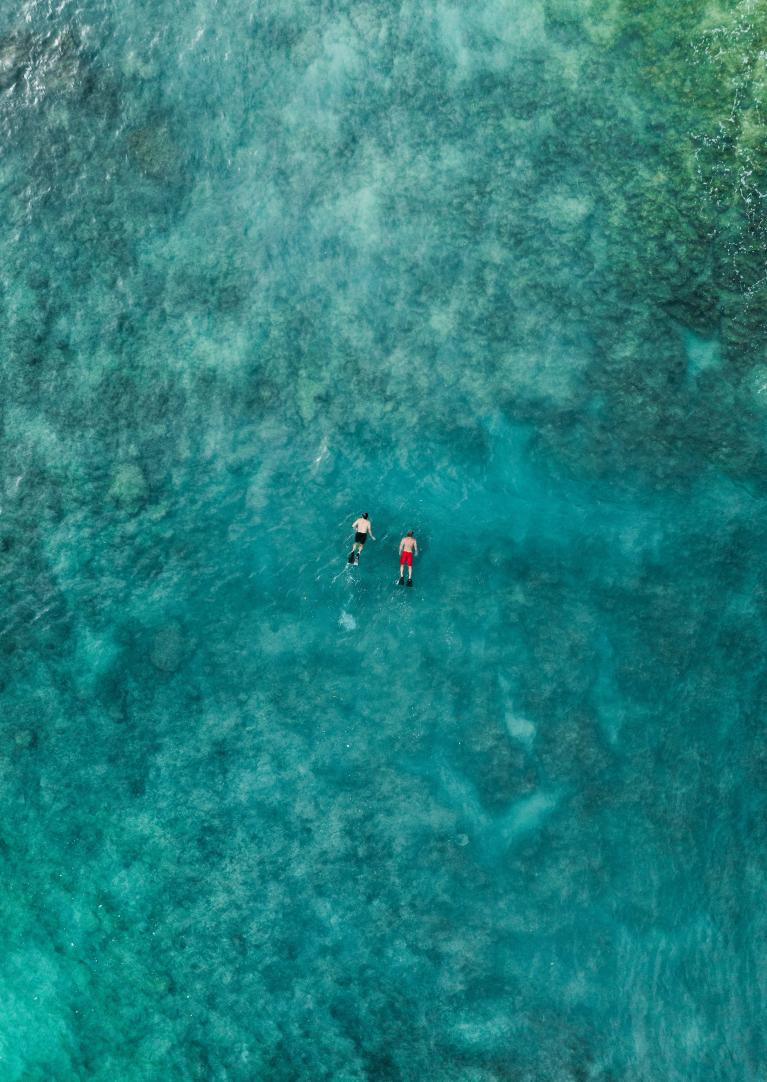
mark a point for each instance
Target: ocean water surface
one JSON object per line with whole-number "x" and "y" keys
{"x": 494, "y": 272}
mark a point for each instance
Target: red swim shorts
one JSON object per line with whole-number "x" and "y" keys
{"x": 406, "y": 558}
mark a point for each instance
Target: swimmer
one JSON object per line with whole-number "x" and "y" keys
{"x": 362, "y": 530}
{"x": 408, "y": 547}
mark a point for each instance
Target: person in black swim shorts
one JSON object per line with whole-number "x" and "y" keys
{"x": 362, "y": 530}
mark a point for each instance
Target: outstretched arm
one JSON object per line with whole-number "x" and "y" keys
{"x": 370, "y": 531}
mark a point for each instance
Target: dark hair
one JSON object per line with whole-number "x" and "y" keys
{"x": 410, "y": 533}
{"x": 365, "y": 515}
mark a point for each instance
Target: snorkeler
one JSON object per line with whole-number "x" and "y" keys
{"x": 362, "y": 528}
{"x": 408, "y": 547}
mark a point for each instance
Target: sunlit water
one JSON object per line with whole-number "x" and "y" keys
{"x": 494, "y": 272}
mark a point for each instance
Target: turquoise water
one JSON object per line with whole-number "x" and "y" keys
{"x": 491, "y": 272}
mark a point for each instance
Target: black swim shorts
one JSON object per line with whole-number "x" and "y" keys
{"x": 360, "y": 538}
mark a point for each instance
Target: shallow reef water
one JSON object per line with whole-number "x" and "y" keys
{"x": 494, "y": 272}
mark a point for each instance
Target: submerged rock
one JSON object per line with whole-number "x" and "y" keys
{"x": 13, "y": 53}
{"x": 154, "y": 152}
{"x": 128, "y": 489}
{"x": 169, "y": 648}
{"x": 53, "y": 62}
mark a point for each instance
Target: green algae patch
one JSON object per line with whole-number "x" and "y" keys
{"x": 704, "y": 70}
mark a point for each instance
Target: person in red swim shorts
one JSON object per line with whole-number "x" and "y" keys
{"x": 408, "y": 547}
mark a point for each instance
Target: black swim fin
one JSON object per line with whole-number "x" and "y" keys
{"x": 402, "y": 580}
{"x": 410, "y": 582}
{"x": 351, "y": 558}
